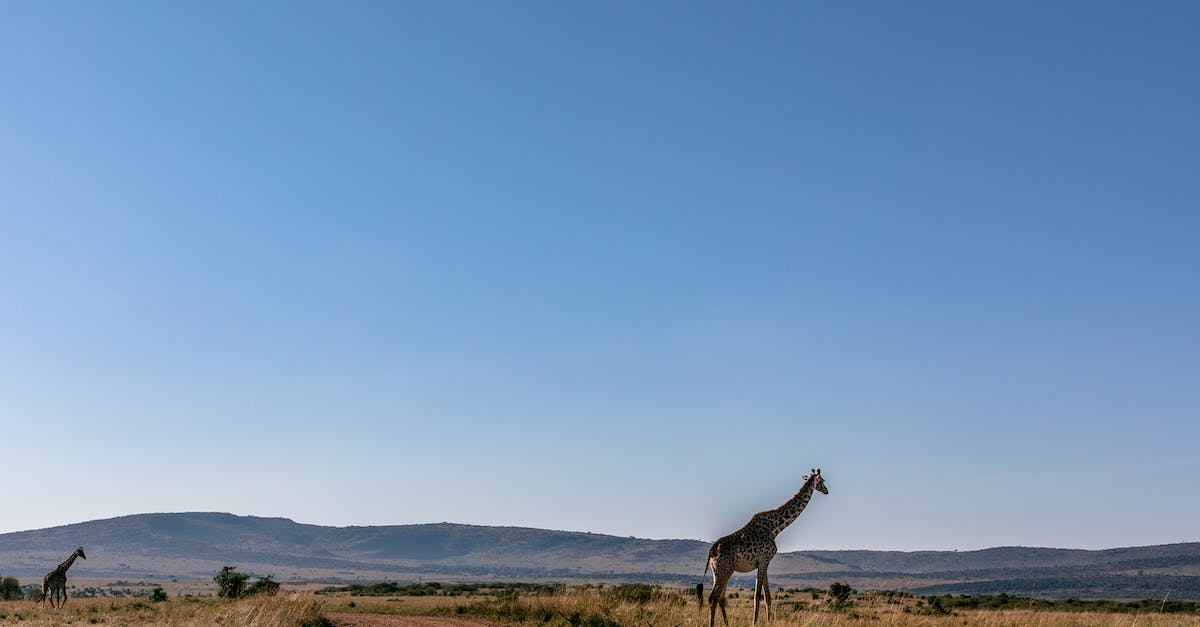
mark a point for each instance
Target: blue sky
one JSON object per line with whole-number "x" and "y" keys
{"x": 611, "y": 267}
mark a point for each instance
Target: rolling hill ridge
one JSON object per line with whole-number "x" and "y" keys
{"x": 196, "y": 545}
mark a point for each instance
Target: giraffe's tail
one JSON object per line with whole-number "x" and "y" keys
{"x": 700, "y": 586}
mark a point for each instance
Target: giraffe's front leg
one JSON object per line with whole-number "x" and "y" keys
{"x": 766, "y": 588}
{"x": 757, "y": 594}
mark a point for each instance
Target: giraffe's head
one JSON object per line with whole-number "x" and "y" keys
{"x": 819, "y": 481}
{"x": 79, "y": 552}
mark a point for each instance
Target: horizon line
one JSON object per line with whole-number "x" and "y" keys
{"x": 611, "y": 535}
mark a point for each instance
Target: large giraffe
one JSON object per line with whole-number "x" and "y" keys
{"x": 55, "y": 584}
{"x": 751, "y": 548}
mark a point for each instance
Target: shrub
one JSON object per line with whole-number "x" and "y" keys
{"x": 230, "y": 583}
{"x": 265, "y": 586}
{"x": 839, "y": 591}
{"x": 158, "y": 595}
{"x": 930, "y": 606}
{"x": 10, "y": 589}
{"x": 839, "y": 596}
{"x": 632, "y": 593}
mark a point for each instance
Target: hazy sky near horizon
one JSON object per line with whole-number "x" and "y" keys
{"x": 629, "y": 268}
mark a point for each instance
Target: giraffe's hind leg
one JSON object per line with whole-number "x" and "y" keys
{"x": 724, "y": 617}
{"x": 722, "y": 571}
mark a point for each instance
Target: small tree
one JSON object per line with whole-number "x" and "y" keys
{"x": 230, "y": 583}
{"x": 10, "y": 589}
{"x": 840, "y": 594}
{"x": 158, "y": 595}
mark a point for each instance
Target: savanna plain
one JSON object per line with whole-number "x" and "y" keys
{"x": 464, "y": 605}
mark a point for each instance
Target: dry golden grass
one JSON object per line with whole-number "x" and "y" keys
{"x": 293, "y": 610}
{"x": 577, "y": 606}
{"x": 571, "y": 606}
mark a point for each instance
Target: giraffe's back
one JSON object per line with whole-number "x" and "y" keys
{"x": 746, "y": 549}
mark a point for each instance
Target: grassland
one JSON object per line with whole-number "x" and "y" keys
{"x": 612, "y": 607}
{"x": 294, "y": 610}
{"x": 592, "y": 606}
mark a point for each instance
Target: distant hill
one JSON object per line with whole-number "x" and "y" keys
{"x": 197, "y": 545}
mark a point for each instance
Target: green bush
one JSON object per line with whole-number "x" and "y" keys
{"x": 639, "y": 593}
{"x": 840, "y": 592}
{"x": 10, "y": 589}
{"x": 839, "y": 596}
{"x": 265, "y": 585}
{"x": 158, "y": 595}
{"x": 931, "y": 606}
{"x": 230, "y": 583}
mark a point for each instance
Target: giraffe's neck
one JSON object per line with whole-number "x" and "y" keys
{"x": 62, "y": 568}
{"x": 787, "y": 513}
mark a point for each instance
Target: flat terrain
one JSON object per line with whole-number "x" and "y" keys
{"x": 594, "y": 606}
{"x": 571, "y": 606}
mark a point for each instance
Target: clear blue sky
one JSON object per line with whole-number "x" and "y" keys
{"x": 630, "y": 268}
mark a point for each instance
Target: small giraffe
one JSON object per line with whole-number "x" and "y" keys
{"x": 54, "y": 586}
{"x": 751, "y": 548}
